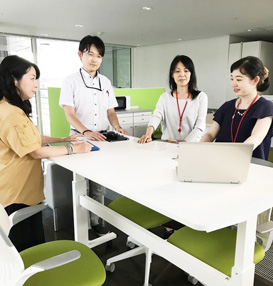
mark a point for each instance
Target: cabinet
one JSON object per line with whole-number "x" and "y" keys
{"x": 126, "y": 120}
{"x": 260, "y": 49}
{"x": 134, "y": 121}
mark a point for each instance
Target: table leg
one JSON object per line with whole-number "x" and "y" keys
{"x": 80, "y": 213}
{"x": 243, "y": 270}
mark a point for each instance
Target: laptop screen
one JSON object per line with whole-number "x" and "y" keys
{"x": 214, "y": 162}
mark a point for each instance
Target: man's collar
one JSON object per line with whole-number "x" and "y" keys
{"x": 87, "y": 75}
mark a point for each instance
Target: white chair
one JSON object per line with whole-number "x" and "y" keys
{"x": 85, "y": 269}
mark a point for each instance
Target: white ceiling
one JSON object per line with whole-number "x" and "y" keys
{"x": 124, "y": 22}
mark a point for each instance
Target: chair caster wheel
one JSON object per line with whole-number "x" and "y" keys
{"x": 192, "y": 280}
{"x": 130, "y": 244}
{"x": 110, "y": 268}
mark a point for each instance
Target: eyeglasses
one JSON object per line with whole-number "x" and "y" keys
{"x": 93, "y": 56}
{"x": 90, "y": 86}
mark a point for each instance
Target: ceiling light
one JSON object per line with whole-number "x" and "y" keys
{"x": 179, "y": 39}
{"x": 44, "y": 35}
{"x": 249, "y": 30}
{"x": 99, "y": 33}
{"x": 146, "y": 8}
{"x": 79, "y": 25}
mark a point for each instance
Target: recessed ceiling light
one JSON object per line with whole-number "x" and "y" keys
{"x": 79, "y": 25}
{"x": 249, "y": 30}
{"x": 44, "y": 35}
{"x": 179, "y": 39}
{"x": 146, "y": 8}
{"x": 99, "y": 33}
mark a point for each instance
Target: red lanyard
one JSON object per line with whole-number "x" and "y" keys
{"x": 236, "y": 109}
{"x": 181, "y": 115}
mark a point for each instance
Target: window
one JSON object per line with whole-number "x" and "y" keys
{"x": 58, "y": 58}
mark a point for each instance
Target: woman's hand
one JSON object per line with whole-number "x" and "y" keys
{"x": 171, "y": 141}
{"x": 145, "y": 139}
{"x": 83, "y": 147}
{"x": 74, "y": 137}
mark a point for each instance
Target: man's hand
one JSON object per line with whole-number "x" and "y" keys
{"x": 121, "y": 130}
{"x": 96, "y": 136}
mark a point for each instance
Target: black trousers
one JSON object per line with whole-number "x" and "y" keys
{"x": 27, "y": 233}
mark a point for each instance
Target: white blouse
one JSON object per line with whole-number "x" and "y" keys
{"x": 193, "y": 121}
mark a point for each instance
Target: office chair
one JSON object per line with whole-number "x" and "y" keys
{"x": 217, "y": 248}
{"x": 142, "y": 216}
{"x": 53, "y": 263}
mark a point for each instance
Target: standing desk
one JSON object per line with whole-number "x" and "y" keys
{"x": 147, "y": 174}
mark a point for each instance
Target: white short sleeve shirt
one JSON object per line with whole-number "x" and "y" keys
{"x": 91, "y": 104}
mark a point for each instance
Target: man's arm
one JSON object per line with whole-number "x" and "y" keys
{"x": 113, "y": 119}
{"x": 76, "y": 123}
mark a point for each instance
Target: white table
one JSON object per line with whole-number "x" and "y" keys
{"x": 146, "y": 174}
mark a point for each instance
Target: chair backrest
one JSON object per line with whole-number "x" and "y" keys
{"x": 11, "y": 263}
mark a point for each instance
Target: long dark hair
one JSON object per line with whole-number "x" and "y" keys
{"x": 252, "y": 67}
{"x": 11, "y": 68}
{"x": 188, "y": 63}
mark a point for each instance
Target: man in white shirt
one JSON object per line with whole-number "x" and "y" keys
{"x": 88, "y": 100}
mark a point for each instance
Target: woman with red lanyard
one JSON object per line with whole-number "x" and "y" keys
{"x": 181, "y": 111}
{"x": 247, "y": 118}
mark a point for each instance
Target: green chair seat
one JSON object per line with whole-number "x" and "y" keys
{"x": 138, "y": 213}
{"x": 88, "y": 270}
{"x": 216, "y": 249}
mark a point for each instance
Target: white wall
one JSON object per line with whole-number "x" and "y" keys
{"x": 210, "y": 56}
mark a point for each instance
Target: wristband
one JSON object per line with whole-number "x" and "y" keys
{"x": 86, "y": 131}
{"x": 69, "y": 148}
{"x": 117, "y": 127}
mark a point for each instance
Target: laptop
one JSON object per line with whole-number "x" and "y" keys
{"x": 214, "y": 162}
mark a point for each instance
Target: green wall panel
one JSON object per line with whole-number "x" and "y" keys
{"x": 144, "y": 98}
{"x": 58, "y": 124}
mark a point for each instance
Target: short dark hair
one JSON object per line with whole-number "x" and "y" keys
{"x": 252, "y": 67}
{"x": 188, "y": 63}
{"x": 88, "y": 41}
{"x": 11, "y": 68}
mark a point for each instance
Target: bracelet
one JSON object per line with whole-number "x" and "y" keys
{"x": 70, "y": 149}
{"x": 86, "y": 131}
{"x": 117, "y": 127}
